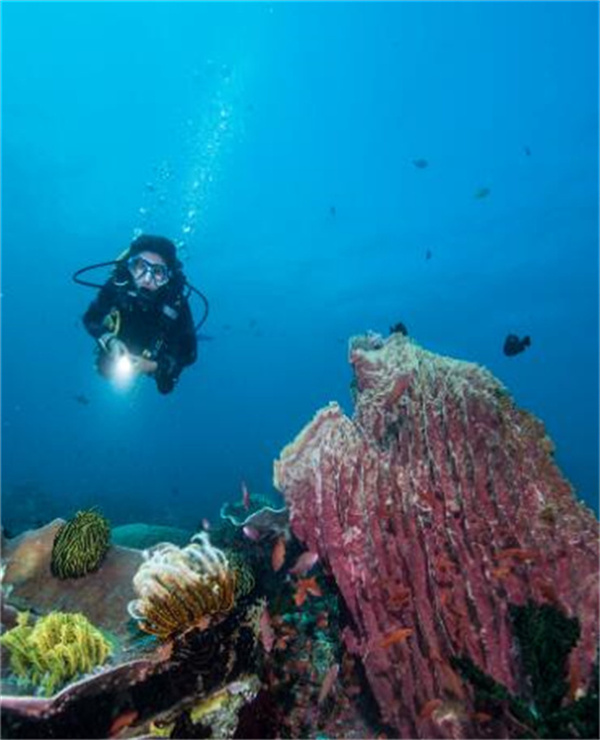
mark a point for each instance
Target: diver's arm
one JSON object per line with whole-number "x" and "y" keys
{"x": 179, "y": 350}
{"x": 98, "y": 310}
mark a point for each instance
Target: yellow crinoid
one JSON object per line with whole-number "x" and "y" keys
{"x": 180, "y": 588}
{"x": 54, "y": 650}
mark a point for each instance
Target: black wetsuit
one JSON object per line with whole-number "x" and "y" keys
{"x": 160, "y": 324}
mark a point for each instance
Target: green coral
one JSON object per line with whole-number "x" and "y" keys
{"x": 80, "y": 545}
{"x": 55, "y": 649}
{"x": 545, "y": 638}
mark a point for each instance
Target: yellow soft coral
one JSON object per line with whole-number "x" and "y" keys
{"x": 180, "y": 588}
{"x": 55, "y": 649}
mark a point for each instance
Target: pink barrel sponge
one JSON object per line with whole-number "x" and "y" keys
{"x": 434, "y": 507}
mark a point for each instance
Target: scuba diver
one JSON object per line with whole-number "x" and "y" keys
{"x": 141, "y": 318}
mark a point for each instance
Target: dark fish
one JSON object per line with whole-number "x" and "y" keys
{"x": 420, "y": 164}
{"x": 204, "y": 337}
{"x": 514, "y": 346}
{"x": 428, "y": 254}
{"x": 399, "y": 328}
{"x": 527, "y": 151}
{"x": 83, "y": 400}
{"x": 332, "y": 211}
{"x": 482, "y": 193}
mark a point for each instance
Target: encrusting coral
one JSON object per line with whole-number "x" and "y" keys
{"x": 80, "y": 545}
{"x": 180, "y": 588}
{"x": 55, "y": 649}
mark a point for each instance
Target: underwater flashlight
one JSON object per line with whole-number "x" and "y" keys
{"x": 123, "y": 370}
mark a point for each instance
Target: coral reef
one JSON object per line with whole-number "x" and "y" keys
{"x": 181, "y": 588}
{"x": 215, "y": 715}
{"x": 101, "y": 596}
{"x": 434, "y": 508}
{"x": 80, "y": 545}
{"x": 55, "y": 649}
{"x": 147, "y": 680}
{"x": 132, "y": 697}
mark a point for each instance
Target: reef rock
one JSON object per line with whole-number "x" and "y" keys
{"x": 197, "y": 684}
{"x": 101, "y": 596}
{"x": 435, "y": 507}
{"x": 141, "y": 536}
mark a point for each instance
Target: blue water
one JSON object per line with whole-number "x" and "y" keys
{"x": 235, "y": 129}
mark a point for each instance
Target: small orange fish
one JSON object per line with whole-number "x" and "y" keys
{"x": 278, "y": 554}
{"x": 517, "y": 553}
{"x": 429, "y": 708}
{"x": 399, "y": 635}
{"x": 501, "y": 572}
{"x": 123, "y": 720}
{"x": 304, "y": 563}
{"x": 399, "y": 597}
{"x": 481, "y": 717}
{"x": 266, "y": 633}
{"x": 304, "y": 588}
{"x": 281, "y": 643}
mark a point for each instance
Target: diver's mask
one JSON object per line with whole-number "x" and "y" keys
{"x": 140, "y": 268}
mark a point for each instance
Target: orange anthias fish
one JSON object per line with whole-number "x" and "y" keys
{"x": 123, "y": 720}
{"x": 266, "y": 633}
{"x": 399, "y": 635}
{"x": 304, "y": 587}
{"x": 429, "y": 708}
{"x": 399, "y": 598}
{"x": 278, "y": 554}
{"x": 517, "y": 553}
{"x": 304, "y": 563}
